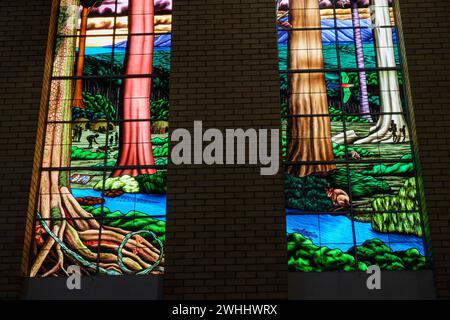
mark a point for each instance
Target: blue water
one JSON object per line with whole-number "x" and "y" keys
{"x": 336, "y": 232}
{"x": 324, "y": 230}
{"x": 153, "y": 205}
{"x": 92, "y": 51}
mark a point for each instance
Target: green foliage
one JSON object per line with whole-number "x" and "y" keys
{"x": 156, "y": 141}
{"x": 81, "y": 154}
{"x": 131, "y": 221}
{"x": 400, "y": 222}
{"x": 100, "y": 65}
{"x": 361, "y": 185}
{"x": 307, "y": 193}
{"x": 159, "y": 110}
{"x": 283, "y": 145}
{"x": 406, "y": 200}
{"x": 153, "y": 183}
{"x": 96, "y": 107}
{"x": 305, "y": 256}
{"x": 398, "y": 169}
{"x": 124, "y": 183}
{"x": 284, "y": 89}
{"x": 339, "y": 116}
{"x": 339, "y": 151}
{"x": 284, "y": 110}
{"x": 375, "y": 252}
{"x": 161, "y": 151}
{"x": 391, "y": 216}
{"x": 161, "y": 74}
{"x": 111, "y": 163}
{"x": 412, "y": 259}
{"x": 161, "y": 161}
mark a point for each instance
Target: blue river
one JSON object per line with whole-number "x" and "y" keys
{"x": 152, "y": 204}
{"x": 335, "y": 232}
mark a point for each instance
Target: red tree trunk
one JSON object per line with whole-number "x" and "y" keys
{"x": 78, "y": 94}
{"x": 135, "y": 130}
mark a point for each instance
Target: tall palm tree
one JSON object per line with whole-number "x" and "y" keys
{"x": 391, "y": 105}
{"x": 363, "y": 94}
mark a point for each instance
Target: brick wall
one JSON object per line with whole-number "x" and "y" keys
{"x": 426, "y": 30}
{"x": 226, "y": 227}
{"x": 23, "y": 43}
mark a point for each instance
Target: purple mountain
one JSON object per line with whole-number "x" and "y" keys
{"x": 161, "y": 41}
{"x": 329, "y": 35}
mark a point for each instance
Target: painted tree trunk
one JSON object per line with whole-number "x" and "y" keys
{"x": 310, "y": 137}
{"x": 135, "y": 136}
{"x": 363, "y": 94}
{"x": 57, "y": 205}
{"x": 391, "y": 106}
{"x": 78, "y": 94}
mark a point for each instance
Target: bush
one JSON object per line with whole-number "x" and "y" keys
{"x": 159, "y": 110}
{"x": 284, "y": 146}
{"x": 391, "y": 216}
{"x": 161, "y": 161}
{"x": 398, "y": 169}
{"x": 339, "y": 116}
{"x": 406, "y": 200}
{"x": 81, "y": 154}
{"x": 361, "y": 185}
{"x": 305, "y": 256}
{"x": 100, "y": 65}
{"x": 307, "y": 193}
{"x": 153, "y": 183}
{"x": 339, "y": 151}
{"x": 159, "y": 142}
{"x": 162, "y": 151}
{"x": 111, "y": 163}
{"x": 124, "y": 183}
{"x": 375, "y": 252}
{"x": 96, "y": 107}
{"x": 284, "y": 110}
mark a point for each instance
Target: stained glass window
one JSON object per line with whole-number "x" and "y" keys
{"x": 102, "y": 189}
{"x": 350, "y": 177}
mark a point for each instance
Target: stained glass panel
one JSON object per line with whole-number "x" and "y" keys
{"x": 350, "y": 178}
{"x": 102, "y": 199}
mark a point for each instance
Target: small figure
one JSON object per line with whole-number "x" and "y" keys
{"x": 394, "y": 131}
{"x": 339, "y": 197}
{"x": 74, "y": 133}
{"x": 116, "y": 138}
{"x": 111, "y": 141}
{"x": 92, "y": 139}
{"x": 355, "y": 155}
{"x": 80, "y": 133}
{"x": 403, "y": 133}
